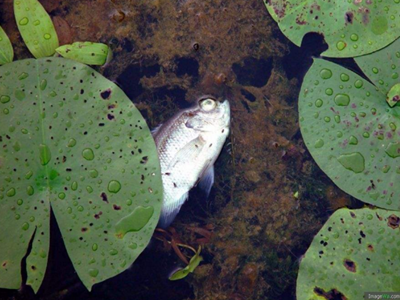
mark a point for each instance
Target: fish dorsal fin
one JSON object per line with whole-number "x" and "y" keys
{"x": 207, "y": 180}
{"x": 155, "y": 130}
{"x": 169, "y": 212}
{"x": 188, "y": 153}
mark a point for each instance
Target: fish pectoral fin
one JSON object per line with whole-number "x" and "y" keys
{"x": 207, "y": 180}
{"x": 155, "y": 130}
{"x": 188, "y": 153}
{"x": 169, "y": 211}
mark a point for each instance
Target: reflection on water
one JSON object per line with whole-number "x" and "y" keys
{"x": 166, "y": 53}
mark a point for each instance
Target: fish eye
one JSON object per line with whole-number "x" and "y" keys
{"x": 208, "y": 104}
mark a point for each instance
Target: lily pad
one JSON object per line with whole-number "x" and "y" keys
{"x": 350, "y": 28}
{"x": 72, "y": 142}
{"x": 6, "y": 49}
{"x": 85, "y": 52}
{"x": 36, "y": 27}
{"x": 355, "y": 252}
{"x": 352, "y": 132}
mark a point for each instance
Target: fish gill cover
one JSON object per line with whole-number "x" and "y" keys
{"x": 72, "y": 143}
{"x": 351, "y": 28}
{"x": 351, "y": 130}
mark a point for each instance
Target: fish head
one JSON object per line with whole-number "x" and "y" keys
{"x": 209, "y": 115}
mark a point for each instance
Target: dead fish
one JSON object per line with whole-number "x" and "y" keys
{"x": 188, "y": 144}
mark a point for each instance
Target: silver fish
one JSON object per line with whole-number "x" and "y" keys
{"x": 188, "y": 144}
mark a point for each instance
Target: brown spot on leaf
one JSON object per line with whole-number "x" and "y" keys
{"x": 104, "y": 197}
{"x": 84, "y": 229}
{"x": 333, "y": 294}
{"x": 353, "y": 215}
{"x": 348, "y": 16}
{"x": 370, "y": 248}
{"x": 349, "y": 265}
{"x": 393, "y": 221}
{"x": 116, "y": 207}
{"x": 106, "y": 94}
{"x": 4, "y": 264}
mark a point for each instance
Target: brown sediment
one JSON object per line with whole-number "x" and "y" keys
{"x": 260, "y": 228}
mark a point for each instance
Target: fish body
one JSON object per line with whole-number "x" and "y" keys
{"x": 188, "y": 144}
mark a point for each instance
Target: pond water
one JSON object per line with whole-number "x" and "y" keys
{"x": 166, "y": 54}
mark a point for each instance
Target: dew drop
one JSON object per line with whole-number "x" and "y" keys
{"x": 30, "y": 190}
{"x": 366, "y": 135}
{"x": 353, "y": 161}
{"x": 132, "y": 246}
{"x": 337, "y": 119}
{"x": 385, "y": 168}
{"x": 114, "y": 186}
{"x": 23, "y": 21}
{"x": 329, "y": 91}
{"x": 319, "y": 102}
{"x": 93, "y": 272}
{"x": 47, "y": 36}
{"x": 43, "y": 84}
{"x": 135, "y": 221}
{"x": 88, "y": 154}
{"x": 80, "y": 208}
{"x": 45, "y": 154}
{"x": 375, "y": 70}
{"x": 327, "y": 119}
{"x": 319, "y": 144}
{"x": 95, "y": 247}
{"x": 353, "y": 140}
{"x": 20, "y": 202}
{"x": 354, "y": 37}
{"x": 393, "y": 149}
{"x": 325, "y": 73}
{"x": 344, "y": 77}
{"x": 113, "y": 252}
{"x": 74, "y": 186}
{"x": 5, "y": 99}
{"x": 342, "y": 99}
{"x": 11, "y": 192}
{"x": 36, "y": 22}
{"x": 25, "y": 226}
{"x": 28, "y": 175}
{"x": 23, "y": 75}
{"x": 341, "y": 45}
{"x": 61, "y": 195}
{"x": 71, "y": 143}
{"x": 93, "y": 173}
{"x": 17, "y": 146}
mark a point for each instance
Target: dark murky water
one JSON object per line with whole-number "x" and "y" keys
{"x": 166, "y": 53}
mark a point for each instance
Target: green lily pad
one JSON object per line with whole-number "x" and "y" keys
{"x": 72, "y": 142}
{"x": 382, "y": 67}
{"x": 6, "y": 49}
{"x": 36, "y": 27}
{"x": 350, "y": 28}
{"x": 85, "y": 52}
{"x": 352, "y": 132}
{"x": 355, "y": 252}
